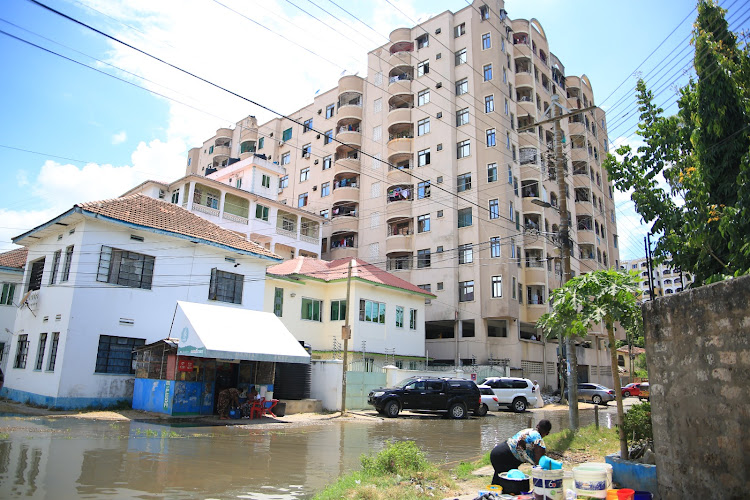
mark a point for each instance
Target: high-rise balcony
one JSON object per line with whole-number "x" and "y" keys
{"x": 400, "y": 173}
{"x": 347, "y": 160}
{"x": 350, "y": 106}
{"x": 345, "y": 188}
{"x": 400, "y": 83}
{"x": 400, "y": 236}
{"x": 350, "y": 83}
{"x": 398, "y": 115}
{"x": 349, "y": 132}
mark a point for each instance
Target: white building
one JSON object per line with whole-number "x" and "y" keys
{"x": 11, "y": 277}
{"x": 666, "y": 279}
{"x": 387, "y": 322}
{"x": 105, "y": 277}
{"x": 243, "y": 197}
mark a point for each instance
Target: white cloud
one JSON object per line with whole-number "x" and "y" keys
{"x": 119, "y": 137}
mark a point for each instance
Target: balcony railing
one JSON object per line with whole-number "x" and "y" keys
{"x": 235, "y": 218}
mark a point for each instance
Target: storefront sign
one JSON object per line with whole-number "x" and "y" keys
{"x": 185, "y": 365}
{"x": 167, "y": 383}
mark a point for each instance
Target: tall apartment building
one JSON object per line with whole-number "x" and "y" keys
{"x": 666, "y": 279}
{"x": 422, "y": 168}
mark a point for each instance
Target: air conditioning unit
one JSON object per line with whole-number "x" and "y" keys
{"x": 315, "y": 162}
{"x": 439, "y": 85}
{"x": 320, "y": 111}
{"x": 315, "y": 188}
{"x": 437, "y": 31}
{"x": 318, "y": 136}
{"x": 440, "y": 114}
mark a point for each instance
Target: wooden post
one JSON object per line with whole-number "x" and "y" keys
{"x": 346, "y": 333}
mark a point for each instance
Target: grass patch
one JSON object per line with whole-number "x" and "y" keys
{"x": 587, "y": 439}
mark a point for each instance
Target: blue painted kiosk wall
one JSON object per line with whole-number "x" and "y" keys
{"x": 173, "y": 397}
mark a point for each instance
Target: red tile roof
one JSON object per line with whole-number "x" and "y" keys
{"x": 15, "y": 258}
{"x": 338, "y": 269}
{"x": 636, "y": 349}
{"x": 150, "y": 212}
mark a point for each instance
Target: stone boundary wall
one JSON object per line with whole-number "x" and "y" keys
{"x": 698, "y": 352}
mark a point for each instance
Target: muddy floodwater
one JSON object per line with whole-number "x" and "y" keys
{"x": 64, "y": 458}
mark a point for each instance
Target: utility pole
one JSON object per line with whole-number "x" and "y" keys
{"x": 650, "y": 265}
{"x": 565, "y": 251}
{"x": 346, "y": 333}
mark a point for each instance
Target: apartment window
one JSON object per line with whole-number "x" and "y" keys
{"x": 423, "y": 258}
{"x": 311, "y": 309}
{"x": 329, "y": 110}
{"x": 327, "y": 162}
{"x": 53, "y": 352}
{"x": 22, "y": 351}
{"x": 121, "y": 267}
{"x": 614, "y": 240}
{"x": 487, "y": 72}
{"x": 286, "y": 135}
{"x": 492, "y": 172}
{"x": 377, "y": 133}
{"x": 423, "y": 190}
{"x": 377, "y": 105}
{"x": 513, "y": 287}
{"x": 325, "y": 189}
{"x": 494, "y": 209}
{"x": 497, "y": 287}
{"x": 55, "y": 266}
{"x": 399, "y": 317}
{"x": 278, "y": 301}
{"x": 423, "y": 68}
{"x": 423, "y": 158}
{"x": 324, "y": 214}
{"x": 286, "y": 158}
{"x": 413, "y": 319}
{"x": 283, "y": 182}
{"x": 226, "y": 287}
{"x": 464, "y": 182}
{"x": 495, "y": 246}
{"x": 423, "y": 126}
{"x": 507, "y": 107}
{"x": 423, "y": 97}
{"x": 261, "y": 142}
{"x": 464, "y": 217}
{"x": 176, "y": 196}
{"x": 423, "y": 41}
{"x": 459, "y": 30}
{"x": 490, "y": 137}
{"x": 261, "y": 212}
{"x": 338, "y": 310}
{"x": 423, "y": 223}
{"x": 40, "y": 351}
{"x": 511, "y": 212}
{"x": 462, "y": 86}
{"x": 439, "y": 213}
{"x": 302, "y": 200}
{"x": 462, "y": 117}
{"x": 484, "y": 12}
{"x": 9, "y": 291}
{"x": 515, "y": 185}
{"x": 510, "y": 175}
{"x": 115, "y": 354}
{"x": 460, "y": 57}
{"x": 371, "y": 311}
{"x": 463, "y": 149}
{"x": 486, "y": 41}
{"x": 466, "y": 291}
{"x": 466, "y": 253}
{"x": 489, "y": 103}
{"x": 520, "y": 293}
{"x": 304, "y": 174}
{"x": 328, "y": 137}
{"x": 307, "y": 125}
{"x": 505, "y": 76}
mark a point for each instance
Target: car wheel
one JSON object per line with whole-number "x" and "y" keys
{"x": 626, "y": 394}
{"x": 519, "y": 405}
{"x": 481, "y": 411}
{"x": 457, "y": 411}
{"x": 391, "y": 409}
{"x": 597, "y": 399}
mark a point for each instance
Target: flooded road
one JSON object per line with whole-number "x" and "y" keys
{"x": 64, "y": 458}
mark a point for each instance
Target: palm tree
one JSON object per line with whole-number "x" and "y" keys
{"x": 607, "y": 296}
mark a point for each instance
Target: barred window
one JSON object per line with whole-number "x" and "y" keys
{"x": 115, "y": 354}
{"x": 125, "y": 268}
{"x": 225, "y": 287}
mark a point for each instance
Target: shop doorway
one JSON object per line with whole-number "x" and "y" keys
{"x": 226, "y": 377}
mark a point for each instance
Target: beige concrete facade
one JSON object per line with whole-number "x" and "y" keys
{"x": 427, "y": 176}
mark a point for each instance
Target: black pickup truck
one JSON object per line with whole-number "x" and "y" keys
{"x": 457, "y": 397}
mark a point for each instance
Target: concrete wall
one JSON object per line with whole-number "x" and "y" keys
{"x": 698, "y": 350}
{"x": 325, "y": 383}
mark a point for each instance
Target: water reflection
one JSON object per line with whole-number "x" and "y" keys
{"x": 67, "y": 458}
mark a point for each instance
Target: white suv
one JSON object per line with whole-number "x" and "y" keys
{"x": 516, "y": 393}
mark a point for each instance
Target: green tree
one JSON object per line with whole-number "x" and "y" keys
{"x": 702, "y": 217}
{"x": 604, "y": 296}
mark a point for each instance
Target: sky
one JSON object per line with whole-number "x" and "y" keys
{"x": 86, "y": 118}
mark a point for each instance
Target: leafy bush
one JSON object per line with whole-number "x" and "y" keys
{"x": 637, "y": 423}
{"x": 402, "y": 458}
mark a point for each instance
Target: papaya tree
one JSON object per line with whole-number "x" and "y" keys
{"x": 603, "y": 296}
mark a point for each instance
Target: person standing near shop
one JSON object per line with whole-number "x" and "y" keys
{"x": 539, "y": 398}
{"x": 526, "y": 446}
{"x": 227, "y": 398}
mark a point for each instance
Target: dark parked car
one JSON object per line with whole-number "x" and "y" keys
{"x": 457, "y": 397}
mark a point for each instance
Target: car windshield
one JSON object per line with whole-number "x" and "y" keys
{"x": 405, "y": 382}
{"x": 485, "y": 381}
{"x": 486, "y": 391}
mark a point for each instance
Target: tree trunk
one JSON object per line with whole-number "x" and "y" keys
{"x": 618, "y": 392}
{"x": 573, "y": 384}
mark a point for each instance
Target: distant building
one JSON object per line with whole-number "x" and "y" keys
{"x": 387, "y": 319}
{"x": 11, "y": 278}
{"x": 666, "y": 278}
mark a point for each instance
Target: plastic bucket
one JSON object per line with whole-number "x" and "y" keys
{"x": 548, "y": 484}
{"x": 625, "y": 494}
{"x": 590, "y": 482}
{"x": 643, "y": 495}
{"x": 598, "y": 466}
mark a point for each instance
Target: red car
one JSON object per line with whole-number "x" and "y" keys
{"x": 631, "y": 390}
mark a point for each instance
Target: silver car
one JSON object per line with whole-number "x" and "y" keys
{"x": 597, "y": 394}
{"x": 489, "y": 401}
